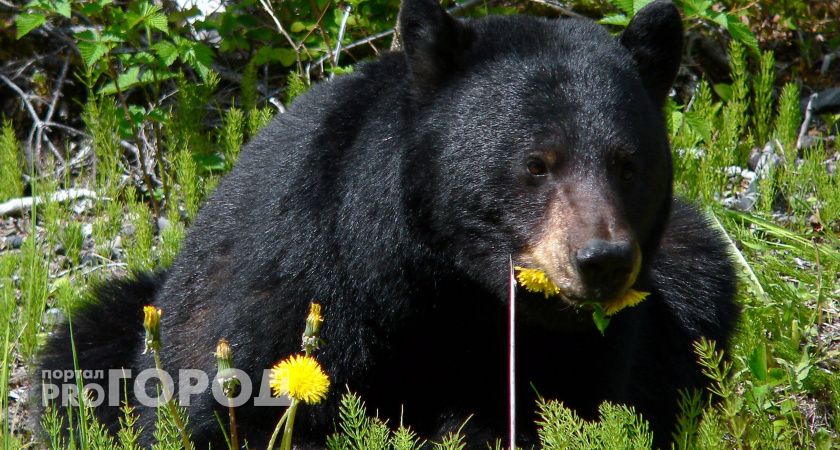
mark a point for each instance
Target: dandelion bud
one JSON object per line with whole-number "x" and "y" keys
{"x": 312, "y": 332}
{"x": 314, "y": 320}
{"x": 151, "y": 322}
{"x": 225, "y": 375}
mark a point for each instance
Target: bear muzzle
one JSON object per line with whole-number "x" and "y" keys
{"x": 607, "y": 268}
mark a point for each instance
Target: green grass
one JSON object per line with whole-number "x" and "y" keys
{"x": 779, "y": 388}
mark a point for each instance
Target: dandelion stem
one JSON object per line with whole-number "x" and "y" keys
{"x": 290, "y": 423}
{"x": 170, "y": 403}
{"x": 277, "y": 429}
{"x": 234, "y": 437}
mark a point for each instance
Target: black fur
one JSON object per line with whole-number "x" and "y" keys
{"x": 107, "y": 333}
{"x": 395, "y": 195}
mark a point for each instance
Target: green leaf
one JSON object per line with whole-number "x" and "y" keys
{"x": 28, "y": 22}
{"x": 297, "y": 27}
{"x": 131, "y": 78}
{"x": 126, "y": 80}
{"x": 723, "y": 90}
{"x": 624, "y": 5}
{"x": 142, "y": 58}
{"x": 63, "y": 7}
{"x": 721, "y": 19}
{"x": 777, "y": 375}
{"x": 158, "y": 21}
{"x": 742, "y": 33}
{"x": 38, "y": 4}
{"x": 264, "y": 55}
{"x": 757, "y": 363}
{"x": 196, "y": 55}
{"x": 285, "y": 56}
{"x": 202, "y": 60}
{"x": 599, "y": 316}
{"x": 87, "y": 35}
{"x": 803, "y": 367}
{"x": 94, "y": 7}
{"x": 676, "y": 122}
{"x": 697, "y": 8}
{"x": 157, "y": 114}
{"x": 700, "y": 125}
{"x": 210, "y": 162}
{"x": 166, "y": 51}
{"x": 92, "y": 51}
{"x": 136, "y": 114}
{"x": 760, "y": 393}
{"x": 132, "y": 19}
{"x": 639, "y": 4}
{"x": 615, "y": 19}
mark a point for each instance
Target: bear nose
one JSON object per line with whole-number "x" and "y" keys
{"x": 605, "y": 265}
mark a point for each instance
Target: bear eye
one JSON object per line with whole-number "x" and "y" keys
{"x": 536, "y": 167}
{"x": 628, "y": 172}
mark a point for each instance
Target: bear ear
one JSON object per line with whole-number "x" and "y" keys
{"x": 654, "y": 37}
{"x": 432, "y": 41}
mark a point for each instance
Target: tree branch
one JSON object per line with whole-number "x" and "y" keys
{"x": 17, "y": 205}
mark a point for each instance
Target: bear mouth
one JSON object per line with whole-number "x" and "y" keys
{"x": 539, "y": 281}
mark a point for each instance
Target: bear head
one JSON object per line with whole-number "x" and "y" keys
{"x": 541, "y": 140}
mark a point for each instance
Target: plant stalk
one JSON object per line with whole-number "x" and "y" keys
{"x": 277, "y": 428}
{"x": 170, "y": 404}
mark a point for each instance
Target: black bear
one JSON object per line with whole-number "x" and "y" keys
{"x": 396, "y": 196}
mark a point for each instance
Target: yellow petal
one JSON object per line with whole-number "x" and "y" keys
{"x": 301, "y": 378}
{"x": 631, "y": 298}
{"x": 535, "y": 280}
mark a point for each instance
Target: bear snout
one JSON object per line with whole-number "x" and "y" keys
{"x": 607, "y": 267}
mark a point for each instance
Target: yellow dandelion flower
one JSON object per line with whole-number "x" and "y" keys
{"x": 301, "y": 377}
{"x": 631, "y": 298}
{"x": 535, "y": 280}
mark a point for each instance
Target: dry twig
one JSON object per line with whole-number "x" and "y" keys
{"x": 17, "y": 205}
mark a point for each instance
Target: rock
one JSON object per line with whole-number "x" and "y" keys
{"x": 742, "y": 203}
{"x": 53, "y": 316}
{"x": 761, "y": 160}
{"x": 87, "y": 260}
{"x": 831, "y": 163}
{"x": 14, "y": 241}
{"x": 827, "y": 102}
{"x": 162, "y": 223}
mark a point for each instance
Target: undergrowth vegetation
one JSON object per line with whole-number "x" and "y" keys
{"x": 160, "y": 126}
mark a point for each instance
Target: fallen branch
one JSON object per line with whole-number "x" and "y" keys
{"x": 17, "y": 205}
{"x": 341, "y": 30}
{"x": 803, "y": 130}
